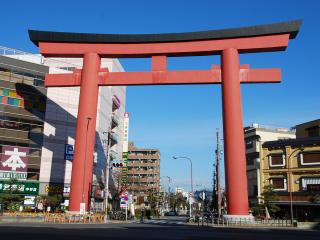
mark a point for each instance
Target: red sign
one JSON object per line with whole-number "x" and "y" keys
{"x": 14, "y": 159}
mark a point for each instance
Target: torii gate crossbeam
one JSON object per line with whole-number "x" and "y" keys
{"x": 228, "y": 43}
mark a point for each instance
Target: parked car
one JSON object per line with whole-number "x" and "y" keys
{"x": 171, "y": 213}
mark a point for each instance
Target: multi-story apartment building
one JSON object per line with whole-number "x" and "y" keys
{"x": 54, "y": 110}
{"x": 292, "y": 168}
{"x": 143, "y": 173}
{"x": 255, "y": 136}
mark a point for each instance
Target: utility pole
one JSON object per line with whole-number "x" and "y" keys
{"x": 214, "y": 188}
{"x": 106, "y": 187}
{"x": 218, "y": 182}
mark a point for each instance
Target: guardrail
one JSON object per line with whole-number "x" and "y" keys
{"x": 53, "y": 217}
{"x": 37, "y": 58}
{"x": 207, "y": 221}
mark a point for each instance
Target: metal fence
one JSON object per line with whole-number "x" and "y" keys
{"x": 203, "y": 221}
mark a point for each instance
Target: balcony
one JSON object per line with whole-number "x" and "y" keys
{"x": 140, "y": 188}
{"x": 114, "y": 138}
{"x": 144, "y": 156}
{"x": 115, "y": 120}
{"x": 143, "y": 180}
{"x": 113, "y": 154}
{"x": 115, "y": 102}
{"x": 139, "y": 164}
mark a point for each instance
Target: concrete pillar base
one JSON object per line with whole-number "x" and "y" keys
{"x": 75, "y": 212}
{"x": 240, "y": 219}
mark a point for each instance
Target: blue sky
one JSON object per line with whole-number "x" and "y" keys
{"x": 181, "y": 120}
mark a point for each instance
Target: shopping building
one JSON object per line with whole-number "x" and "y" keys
{"x": 46, "y": 122}
{"x": 255, "y": 136}
{"x": 292, "y": 168}
{"x": 143, "y": 174}
{"x": 22, "y": 115}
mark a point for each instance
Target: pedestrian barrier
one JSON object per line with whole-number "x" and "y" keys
{"x": 57, "y": 217}
{"x": 207, "y": 221}
{"x": 74, "y": 218}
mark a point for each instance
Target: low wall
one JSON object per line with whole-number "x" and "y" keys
{"x": 21, "y": 219}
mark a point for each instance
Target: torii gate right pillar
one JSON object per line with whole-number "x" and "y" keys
{"x": 234, "y": 148}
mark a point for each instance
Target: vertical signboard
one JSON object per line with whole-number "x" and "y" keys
{"x": 124, "y": 177}
{"x": 125, "y": 132}
{"x": 82, "y": 208}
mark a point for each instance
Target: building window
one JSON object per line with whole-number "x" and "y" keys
{"x": 277, "y": 160}
{"x": 310, "y": 158}
{"x": 313, "y": 131}
{"x": 310, "y": 183}
{"x": 249, "y": 144}
{"x": 250, "y": 161}
{"x": 278, "y": 183}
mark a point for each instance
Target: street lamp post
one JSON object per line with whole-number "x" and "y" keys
{"x": 84, "y": 168}
{"x": 107, "y": 174}
{"x": 164, "y": 197}
{"x": 191, "y": 181}
{"x": 290, "y": 181}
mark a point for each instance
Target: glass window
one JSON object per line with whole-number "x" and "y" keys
{"x": 11, "y": 101}
{"x": 279, "y": 183}
{"x": 277, "y": 160}
{"x": 5, "y": 92}
{"x": 249, "y": 144}
{"x": 12, "y": 94}
{"x": 313, "y": 131}
{"x": 310, "y": 158}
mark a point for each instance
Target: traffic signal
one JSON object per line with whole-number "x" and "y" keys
{"x": 117, "y": 164}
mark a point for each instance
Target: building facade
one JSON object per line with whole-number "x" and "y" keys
{"x": 255, "y": 136}
{"x": 143, "y": 173}
{"x": 54, "y": 110}
{"x": 22, "y": 116}
{"x": 292, "y": 168}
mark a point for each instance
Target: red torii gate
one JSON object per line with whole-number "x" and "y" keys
{"x": 228, "y": 43}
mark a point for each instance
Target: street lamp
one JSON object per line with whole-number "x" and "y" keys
{"x": 84, "y": 166}
{"x": 164, "y": 195}
{"x": 290, "y": 181}
{"x": 107, "y": 173}
{"x": 174, "y": 157}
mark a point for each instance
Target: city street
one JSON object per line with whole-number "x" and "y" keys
{"x": 152, "y": 230}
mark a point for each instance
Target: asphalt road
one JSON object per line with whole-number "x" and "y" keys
{"x": 148, "y": 231}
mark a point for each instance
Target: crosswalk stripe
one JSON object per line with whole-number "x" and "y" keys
{"x": 159, "y": 222}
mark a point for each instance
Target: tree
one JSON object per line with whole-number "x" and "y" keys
{"x": 52, "y": 201}
{"x": 11, "y": 198}
{"x": 268, "y": 197}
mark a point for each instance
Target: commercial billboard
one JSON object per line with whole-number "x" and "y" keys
{"x": 24, "y": 188}
{"x": 14, "y": 158}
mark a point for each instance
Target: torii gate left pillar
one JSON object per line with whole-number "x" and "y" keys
{"x": 227, "y": 43}
{"x": 82, "y": 164}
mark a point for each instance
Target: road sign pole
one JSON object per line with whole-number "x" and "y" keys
{"x": 127, "y": 212}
